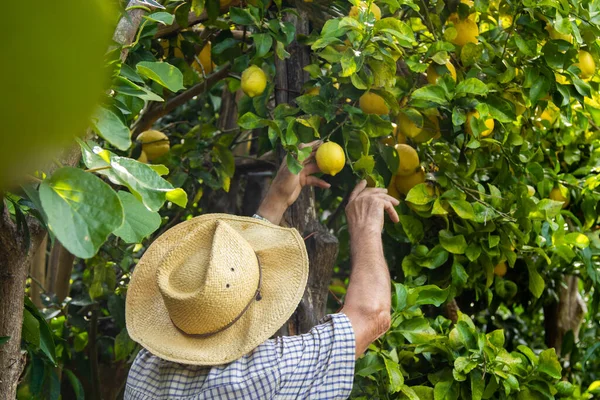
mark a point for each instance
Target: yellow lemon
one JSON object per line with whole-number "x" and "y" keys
{"x": 372, "y": 103}
{"x": 154, "y": 144}
{"x": 489, "y": 124}
{"x": 560, "y": 193}
{"x": 408, "y": 160}
{"x": 432, "y": 73}
{"x": 554, "y": 34}
{"x": 206, "y": 65}
{"x": 254, "y": 81}
{"x": 500, "y": 269}
{"x": 466, "y": 30}
{"x": 392, "y": 190}
{"x": 593, "y": 386}
{"x": 407, "y": 127}
{"x": 330, "y": 158}
{"x": 143, "y": 158}
{"x": 550, "y": 114}
{"x": 405, "y": 183}
{"x": 375, "y": 10}
{"x": 586, "y": 64}
{"x": 505, "y": 20}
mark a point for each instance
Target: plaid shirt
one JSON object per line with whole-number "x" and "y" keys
{"x": 316, "y": 365}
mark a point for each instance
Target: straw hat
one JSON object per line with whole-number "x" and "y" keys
{"x": 213, "y": 288}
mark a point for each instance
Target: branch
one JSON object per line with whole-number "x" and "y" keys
{"x": 147, "y": 119}
{"x": 193, "y": 19}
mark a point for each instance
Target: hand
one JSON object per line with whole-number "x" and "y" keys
{"x": 366, "y": 208}
{"x": 286, "y": 186}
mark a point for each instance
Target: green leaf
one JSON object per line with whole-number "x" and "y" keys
{"x": 577, "y": 239}
{"x": 263, "y": 43}
{"x": 431, "y": 93}
{"x": 365, "y": 163}
{"x": 463, "y": 209}
{"x": 123, "y": 345}
{"x": 241, "y": 16}
{"x": 161, "y": 17}
{"x": 501, "y": 109}
{"x": 110, "y": 127}
{"x": 477, "y": 384}
{"x": 31, "y": 328}
{"x": 427, "y": 295}
{"x": 548, "y": 364}
{"x": 413, "y": 228}
{"x": 75, "y": 384}
{"x": 471, "y": 86}
{"x": 396, "y": 380}
{"x": 454, "y": 244}
{"x": 252, "y": 121}
{"x": 420, "y": 195}
{"x": 139, "y": 222}
{"x": 82, "y": 210}
{"x": 536, "y": 282}
{"x": 473, "y": 251}
{"x": 293, "y": 165}
{"x": 162, "y": 73}
{"x": 445, "y": 390}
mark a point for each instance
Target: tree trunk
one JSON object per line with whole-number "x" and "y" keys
{"x": 16, "y": 257}
{"x": 59, "y": 271}
{"x": 321, "y": 245}
{"x": 565, "y": 315}
{"x": 38, "y": 273}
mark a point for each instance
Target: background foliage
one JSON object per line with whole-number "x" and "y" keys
{"x": 486, "y": 200}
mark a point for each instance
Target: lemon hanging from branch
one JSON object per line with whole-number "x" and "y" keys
{"x": 372, "y": 103}
{"x": 408, "y": 160}
{"x": 330, "y": 158}
{"x": 254, "y": 81}
{"x": 154, "y": 144}
{"x": 489, "y": 124}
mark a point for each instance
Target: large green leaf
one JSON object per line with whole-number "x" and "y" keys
{"x": 548, "y": 363}
{"x": 536, "y": 282}
{"x": 31, "y": 328}
{"x": 394, "y": 374}
{"x": 162, "y": 73}
{"x": 454, "y": 244}
{"x": 139, "y": 222}
{"x": 108, "y": 125}
{"x": 82, "y": 210}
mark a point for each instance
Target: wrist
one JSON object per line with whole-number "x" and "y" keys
{"x": 272, "y": 208}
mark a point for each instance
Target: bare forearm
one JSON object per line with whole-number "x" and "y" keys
{"x": 272, "y": 208}
{"x": 370, "y": 278}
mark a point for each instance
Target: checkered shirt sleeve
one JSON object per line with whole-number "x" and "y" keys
{"x": 315, "y": 365}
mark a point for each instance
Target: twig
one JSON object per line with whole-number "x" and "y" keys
{"x": 93, "y": 354}
{"x": 98, "y": 168}
{"x": 37, "y": 283}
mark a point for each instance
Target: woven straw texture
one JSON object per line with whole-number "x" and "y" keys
{"x": 198, "y": 276}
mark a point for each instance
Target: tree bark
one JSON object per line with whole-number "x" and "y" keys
{"x": 59, "y": 271}
{"x": 565, "y": 315}
{"x": 16, "y": 256}
{"x": 322, "y": 246}
{"x": 38, "y": 273}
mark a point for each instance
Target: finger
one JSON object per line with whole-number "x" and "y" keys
{"x": 311, "y": 168}
{"x": 359, "y": 188}
{"x": 391, "y": 211}
{"x": 372, "y": 192}
{"x": 314, "y": 144}
{"x": 314, "y": 181}
{"x": 391, "y": 199}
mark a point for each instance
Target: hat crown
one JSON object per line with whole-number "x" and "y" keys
{"x": 206, "y": 289}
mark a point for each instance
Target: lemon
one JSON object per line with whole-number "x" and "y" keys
{"x": 408, "y": 160}
{"x": 466, "y": 30}
{"x": 375, "y": 10}
{"x": 206, "y": 65}
{"x": 550, "y": 114}
{"x": 313, "y": 91}
{"x": 254, "y": 81}
{"x": 431, "y": 130}
{"x": 489, "y": 124}
{"x": 586, "y": 64}
{"x": 560, "y": 193}
{"x": 372, "y": 103}
{"x": 392, "y": 190}
{"x": 505, "y": 20}
{"x": 330, "y": 158}
{"x": 405, "y": 183}
{"x": 154, "y": 144}
{"x": 554, "y": 34}
{"x": 593, "y": 386}
{"x": 500, "y": 269}
{"x": 432, "y": 72}
{"x": 143, "y": 158}
{"x": 407, "y": 126}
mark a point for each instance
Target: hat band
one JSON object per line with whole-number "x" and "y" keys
{"x": 257, "y": 296}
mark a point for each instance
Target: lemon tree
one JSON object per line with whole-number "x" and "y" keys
{"x": 481, "y": 116}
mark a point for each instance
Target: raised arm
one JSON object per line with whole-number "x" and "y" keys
{"x": 368, "y": 300}
{"x": 286, "y": 187}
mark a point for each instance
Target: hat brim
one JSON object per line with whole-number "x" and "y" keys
{"x": 284, "y": 264}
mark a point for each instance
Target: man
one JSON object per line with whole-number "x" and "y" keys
{"x": 208, "y": 294}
